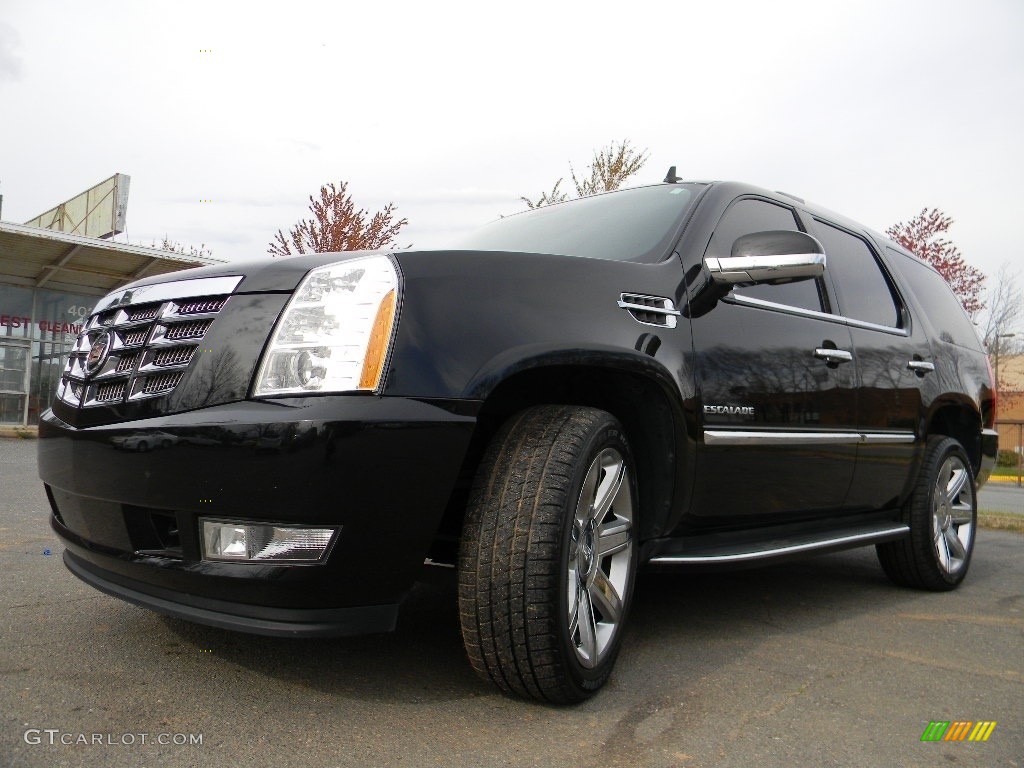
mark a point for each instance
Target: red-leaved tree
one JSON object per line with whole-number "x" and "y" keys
{"x": 921, "y": 235}
{"x": 337, "y": 225}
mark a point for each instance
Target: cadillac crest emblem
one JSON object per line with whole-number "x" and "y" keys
{"x": 98, "y": 353}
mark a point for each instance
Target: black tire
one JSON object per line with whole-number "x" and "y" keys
{"x": 533, "y": 547}
{"x": 943, "y": 514}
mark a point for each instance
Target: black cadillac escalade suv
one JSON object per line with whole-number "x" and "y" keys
{"x": 678, "y": 375}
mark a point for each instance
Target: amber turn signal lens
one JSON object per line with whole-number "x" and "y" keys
{"x": 377, "y": 348}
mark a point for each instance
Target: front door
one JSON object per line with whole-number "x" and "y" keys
{"x": 776, "y": 385}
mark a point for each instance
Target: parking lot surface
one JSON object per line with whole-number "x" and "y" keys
{"x": 1002, "y": 497}
{"x": 815, "y": 663}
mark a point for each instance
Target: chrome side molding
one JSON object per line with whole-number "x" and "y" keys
{"x": 767, "y": 437}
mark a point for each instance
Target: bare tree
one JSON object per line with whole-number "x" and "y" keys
{"x": 921, "y": 235}
{"x": 337, "y": 225}
{"x": 548, "y": 198}
{"x": 175, "y": 247}
{"x": 1004, "y": 309}
{"x": 610, "y": 167}
{"x": 608, "y": 170}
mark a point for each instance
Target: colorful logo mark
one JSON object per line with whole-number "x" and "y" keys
{"x": 958, "y": 730}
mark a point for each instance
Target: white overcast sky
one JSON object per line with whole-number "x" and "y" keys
{"x": 452, "y": 110}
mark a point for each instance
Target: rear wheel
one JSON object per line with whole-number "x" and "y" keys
{"x": 942, "y": 513}
{"x": 548, "y": 555}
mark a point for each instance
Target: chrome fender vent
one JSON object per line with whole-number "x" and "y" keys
{"x": 650, "y": 310}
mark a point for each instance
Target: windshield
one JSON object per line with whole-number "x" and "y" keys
{"x": 629, "y": 225}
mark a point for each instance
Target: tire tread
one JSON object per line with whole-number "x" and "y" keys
{"x": 909, "y": 562}
{"x": 509, "y": 555}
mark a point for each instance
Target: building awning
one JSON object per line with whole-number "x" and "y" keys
{"x": 43, "y": 258}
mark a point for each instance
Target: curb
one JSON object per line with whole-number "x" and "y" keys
{"x": 26, "y": 433}
{"x": 1002, "y": 479}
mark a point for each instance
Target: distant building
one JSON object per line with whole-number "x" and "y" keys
{"x": 1010, "y": 405}
{"x": 49, "y": 283}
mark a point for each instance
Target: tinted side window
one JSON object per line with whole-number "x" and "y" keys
{"x": 945, "y": 312}
{"x": 747, "y": 216}
{"x": 864, "y": 290}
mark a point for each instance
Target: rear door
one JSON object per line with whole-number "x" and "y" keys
{"x": 776, "y": 391}
{"x": 893, "y": 357}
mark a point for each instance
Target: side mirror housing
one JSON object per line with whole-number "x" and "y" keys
{"x": 773, "y": 257}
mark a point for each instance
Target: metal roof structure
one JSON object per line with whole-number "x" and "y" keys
{"x": 43, "y": 258}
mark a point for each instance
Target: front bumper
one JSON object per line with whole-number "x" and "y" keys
{"x": 127, "y": 499}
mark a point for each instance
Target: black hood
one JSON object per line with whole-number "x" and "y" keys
{"x": 264, "y": 275}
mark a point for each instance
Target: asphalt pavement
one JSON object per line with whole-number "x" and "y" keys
{"x": 815, "y": 663}
{"x": 1001, "y": 497}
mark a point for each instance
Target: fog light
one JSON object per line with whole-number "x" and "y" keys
{"x": 239, "y": 541}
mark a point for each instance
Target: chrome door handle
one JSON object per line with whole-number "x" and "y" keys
{"x": 833, "y": 356}
{"x": 921, "y": 367}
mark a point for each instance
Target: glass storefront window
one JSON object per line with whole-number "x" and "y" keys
{"x": 59, "y": 315}
{"x": 59, "y": 318}
{"x": 40, "y": 338}
{"x": 15, "y": 330}
{"x": 13, "y": 361}
{"x": 12, "y": 409}
{"x": 15, "y": 312}
{"x": 13, "y": 364}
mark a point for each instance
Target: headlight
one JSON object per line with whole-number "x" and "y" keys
{"x": 335, "y": 331}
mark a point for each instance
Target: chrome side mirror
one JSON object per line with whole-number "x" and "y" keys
{"x": 769, "y": 257}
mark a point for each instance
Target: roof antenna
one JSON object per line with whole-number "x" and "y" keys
{"x": 671, "y": 177}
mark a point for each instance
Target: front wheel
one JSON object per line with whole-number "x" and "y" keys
{"x": 548, "y": 554}
{"x": 942, "y": 513}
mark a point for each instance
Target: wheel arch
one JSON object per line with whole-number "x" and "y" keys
{"x": 959, "y": 419}
{"x": 641, "y": 398}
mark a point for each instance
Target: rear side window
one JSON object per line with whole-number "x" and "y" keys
{"x": 864, "y": 290}
{"x": 750, "y": 215}
{"x": 944, "y": 310}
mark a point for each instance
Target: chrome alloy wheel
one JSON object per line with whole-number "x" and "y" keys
{"x": 600, "y": 557}
{"x": 952, "y": 515}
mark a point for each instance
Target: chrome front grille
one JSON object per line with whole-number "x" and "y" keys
{"x": 134, "y": 338}
{"x": 173, "y": 356}
{"x": 160, "y": 383}
{"x": 201, "y": 306}
{"x": 148, "y": 347}
{"x": 144, "y": 313}
{"x": 127, "y": 362}
{"x": 111, "y": 391}
{"x": 187, "y": 330}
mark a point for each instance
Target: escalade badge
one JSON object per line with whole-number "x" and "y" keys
{"x": 98, "y": 353}
{"x": 732, "y": 410}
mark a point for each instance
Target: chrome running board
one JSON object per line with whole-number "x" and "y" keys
{"x": 793, "y": 545}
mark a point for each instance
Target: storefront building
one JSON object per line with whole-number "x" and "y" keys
{"x": 1010, "y": 404}
{"x": 49, "y": 283}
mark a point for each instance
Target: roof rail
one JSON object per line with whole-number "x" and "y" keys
{"x": 791, "y": 197}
